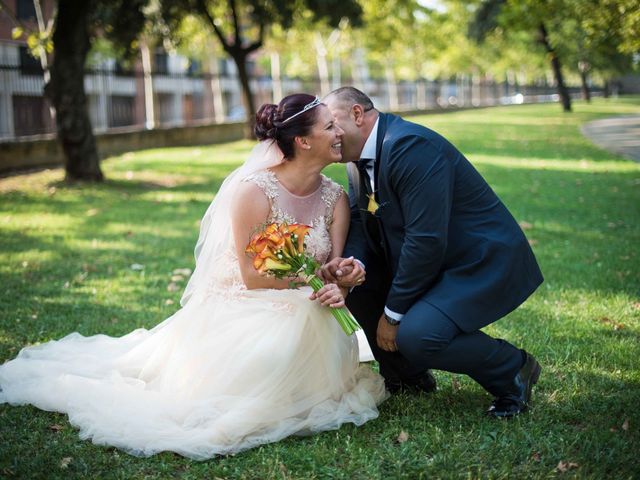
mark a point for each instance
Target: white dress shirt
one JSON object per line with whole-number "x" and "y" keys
{"x": 369, "y": 152}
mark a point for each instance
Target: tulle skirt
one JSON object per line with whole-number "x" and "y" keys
{"x": 220, "y": 376}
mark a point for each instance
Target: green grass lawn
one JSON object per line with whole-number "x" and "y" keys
{"x": 65, "y": 265}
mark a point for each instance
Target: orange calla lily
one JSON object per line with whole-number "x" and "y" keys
{"x": 300, "y": 231}
{"x": 257, "y": 243}
{"x": 271, "y": 264}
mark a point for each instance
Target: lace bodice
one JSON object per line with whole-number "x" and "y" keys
{"x": 315, "y": 210}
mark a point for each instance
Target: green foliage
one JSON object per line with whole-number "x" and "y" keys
{"x": 65, "y": 265}
{"x": 599, "y": 35}
{"x": 120, "y": 21}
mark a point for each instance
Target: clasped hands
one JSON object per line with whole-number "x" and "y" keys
{"x": 348, "y": 273}
{"x": 339, "y": 275}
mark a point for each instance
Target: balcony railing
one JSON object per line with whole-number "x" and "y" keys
{"x": 132, "y": 100}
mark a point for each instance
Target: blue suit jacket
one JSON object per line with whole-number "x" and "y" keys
{"x": 447, "y": 239}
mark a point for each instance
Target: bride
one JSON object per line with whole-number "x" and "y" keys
{"x": 247, "y": 360}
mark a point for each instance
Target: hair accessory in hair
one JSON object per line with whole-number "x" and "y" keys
{"x": 314, "y": 103}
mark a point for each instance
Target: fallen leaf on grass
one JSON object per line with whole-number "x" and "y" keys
{"x": 402, "y": 437}
{"x": 455, "y": 384}
{"x": 636, "y": 305}
{"x": 536, "y": 456}
{"x": 564, "y": 466}
{"x": 55, "y": 427}
{"x": 173, "y": 287}
{"x": 533, "y": 242}
{"x": 625, "y": 425}
{"x": 177, "y": 278}
{"x": 64, "y": 463}
{"x": 613, "y": 323}
{"x": 168, "y": 301}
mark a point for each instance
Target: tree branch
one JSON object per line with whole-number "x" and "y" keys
{"x": 236, "y": 23}
{"x": 258, "y": 43}
{"x": 543, "y": 38}
{"x": 205, "y": 11}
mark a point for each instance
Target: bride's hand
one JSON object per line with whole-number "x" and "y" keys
{"x": 330, "y": 296}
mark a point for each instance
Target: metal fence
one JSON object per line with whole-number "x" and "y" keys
{"x": 135, "y": 100}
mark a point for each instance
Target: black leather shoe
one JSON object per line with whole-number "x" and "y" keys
{"x": 517, "y": 399}
{"x": 425, "y": 383}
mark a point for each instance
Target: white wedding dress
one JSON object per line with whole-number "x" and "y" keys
{"x": 232, "y": 369}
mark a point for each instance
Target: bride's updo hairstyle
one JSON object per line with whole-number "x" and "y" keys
{"x": 293, "y": 117}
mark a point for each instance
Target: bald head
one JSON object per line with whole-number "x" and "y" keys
{"x": 355, "y": 114}
{"x": 348, "y": 96}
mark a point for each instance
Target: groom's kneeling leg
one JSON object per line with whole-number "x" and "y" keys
{"x": 427, "y": 337}
{"x": 424, "y": 334}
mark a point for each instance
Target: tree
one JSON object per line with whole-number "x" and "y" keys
{"x": 77, "y": 24}
{"x": 242, "y": 25}
{"x": 608, "y": 36}
{"x": 525, "y": 15}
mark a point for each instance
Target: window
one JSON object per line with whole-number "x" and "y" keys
{"x": 194, "y": 68}
{"x": 29, "y": 65}
{"x": 161, "y": 62}
{"x": 25, "y": 10}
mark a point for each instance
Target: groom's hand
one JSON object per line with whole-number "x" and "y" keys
{"x": 386, "y": 335}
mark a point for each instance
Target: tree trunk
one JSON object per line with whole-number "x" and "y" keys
{"x": 247, "y": 96}
{"x": 556, "y": 67}
{"x": 66, "y": 91}
{"x": 607, "y": 89}
{"x": 586, "y": 92}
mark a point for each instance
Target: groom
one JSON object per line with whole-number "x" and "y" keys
{"x": 443, "y": 256}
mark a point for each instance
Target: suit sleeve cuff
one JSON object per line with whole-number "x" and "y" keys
{"x": 392, "y": 314}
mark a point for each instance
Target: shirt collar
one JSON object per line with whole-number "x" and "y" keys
{"x": 369, "y": 149}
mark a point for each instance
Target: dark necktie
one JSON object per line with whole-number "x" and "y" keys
{"x": 365, "y": 179}
{"x": 370, "y": 221}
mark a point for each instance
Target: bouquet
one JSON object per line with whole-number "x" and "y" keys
{"x": 279, "y": 250}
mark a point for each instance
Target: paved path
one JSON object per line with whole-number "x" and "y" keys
{"x": 619, "y": 135}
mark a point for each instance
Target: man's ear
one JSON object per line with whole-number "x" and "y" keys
{"x": 357, "y": 111}
{"x": 302, "y": 143}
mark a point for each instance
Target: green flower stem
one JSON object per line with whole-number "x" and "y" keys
{"x": 342, "y": 315}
